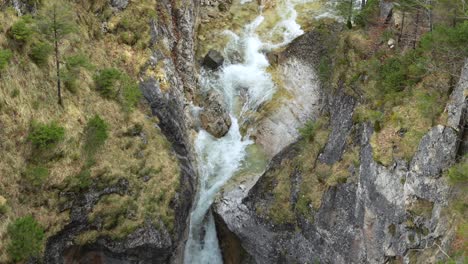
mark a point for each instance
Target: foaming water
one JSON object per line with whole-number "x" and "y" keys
{"x": 245, "y": 84}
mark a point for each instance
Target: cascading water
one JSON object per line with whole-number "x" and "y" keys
{"x": 245, "y": 84}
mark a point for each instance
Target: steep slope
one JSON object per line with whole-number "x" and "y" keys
{"x": 128, "y": 198}
{"x": 350, "y": 191}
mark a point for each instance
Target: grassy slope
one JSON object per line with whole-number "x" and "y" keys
{"x": 27, "y": 93}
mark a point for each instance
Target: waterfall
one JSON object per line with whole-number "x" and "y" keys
{"x": 245, "y": 84}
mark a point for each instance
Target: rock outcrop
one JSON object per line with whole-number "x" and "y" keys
{"x": 213, "y": 60}
{"x": 214, "y": 117}
{"x": 379, "y": 215}
{"x": 305, "y": 99}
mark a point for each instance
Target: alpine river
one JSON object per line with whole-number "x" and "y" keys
{"x": 245, "y": 84}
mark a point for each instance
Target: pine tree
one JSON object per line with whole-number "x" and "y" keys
{"x": 56, "y": 22}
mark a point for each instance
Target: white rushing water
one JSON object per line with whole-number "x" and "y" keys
{"x": 245, "y": 84}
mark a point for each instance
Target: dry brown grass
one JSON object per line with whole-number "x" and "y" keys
{"x": 28, "y": 93}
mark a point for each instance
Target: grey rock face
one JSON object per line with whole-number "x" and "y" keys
{"x": 384, "y": 214}
{"x": 213, "y": 60}
{"x": 341, "y": 122}
{"x": 119, "y": 4}
{"x": 214, "y": 117}
{"x": 437, "y": 151}
{"x": 279, "y": 128}
{"x": 365, "y": 222}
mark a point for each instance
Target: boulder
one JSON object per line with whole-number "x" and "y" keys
{"x": 214, "y": 118}
{"x": 213, "y": 60}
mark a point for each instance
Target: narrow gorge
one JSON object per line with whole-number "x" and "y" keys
{"x": 233, "y": 131}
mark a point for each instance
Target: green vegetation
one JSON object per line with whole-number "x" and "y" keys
{"x": 106, "y": 80}
{"x": 79, "y": 182}
{"x": 315, "y": 135}
{"x": 56, "y": 22}
{"x": 36, "y": 175}
{"x": 26, "y": 238}
{"x": 458, "y": 173}
{"x": 22, "y": 30}
{"x": 95, "y": 135}
{"x": 309, "y": 130}
{"x": 367, "y": 15}
{"x": 40, "y": 53}
{"x": 45, "y": 136}
{"x": 5, "y": 56}
{"x": 131, "y": 95}
{"x": 39, "y": 160}
{"x": 112, "y": 83}
{"x": 73, "y": 66}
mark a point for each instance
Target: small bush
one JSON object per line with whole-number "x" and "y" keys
{"x": 131, "y": 94}
{"x": 15, "y": 93}
{"x": 362, "y": 114}
{"x": 367, "y": 14}
{"x": 22, "y": 31}
{"x": 80, "y": 181}
{"x": 5, "y": 56}
{"x": 73, "y": 66}
{"x": 95, "y": 135}
{"x": 45, "y": 136}
{"x": 106, "y": 80}
{"x": 36, "y": 175}
{"x": 40, "y": 53}
{"x": 26, "y": 238}
{"x": 308, "y": 131}
{"x": 393, "y": 75}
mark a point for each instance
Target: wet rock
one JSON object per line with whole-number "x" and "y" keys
{"x": 213, "y": 60}
{"x": 119, "y": 4}
{"x": 214, "y": 118}
{"x": 296, "y": 67}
